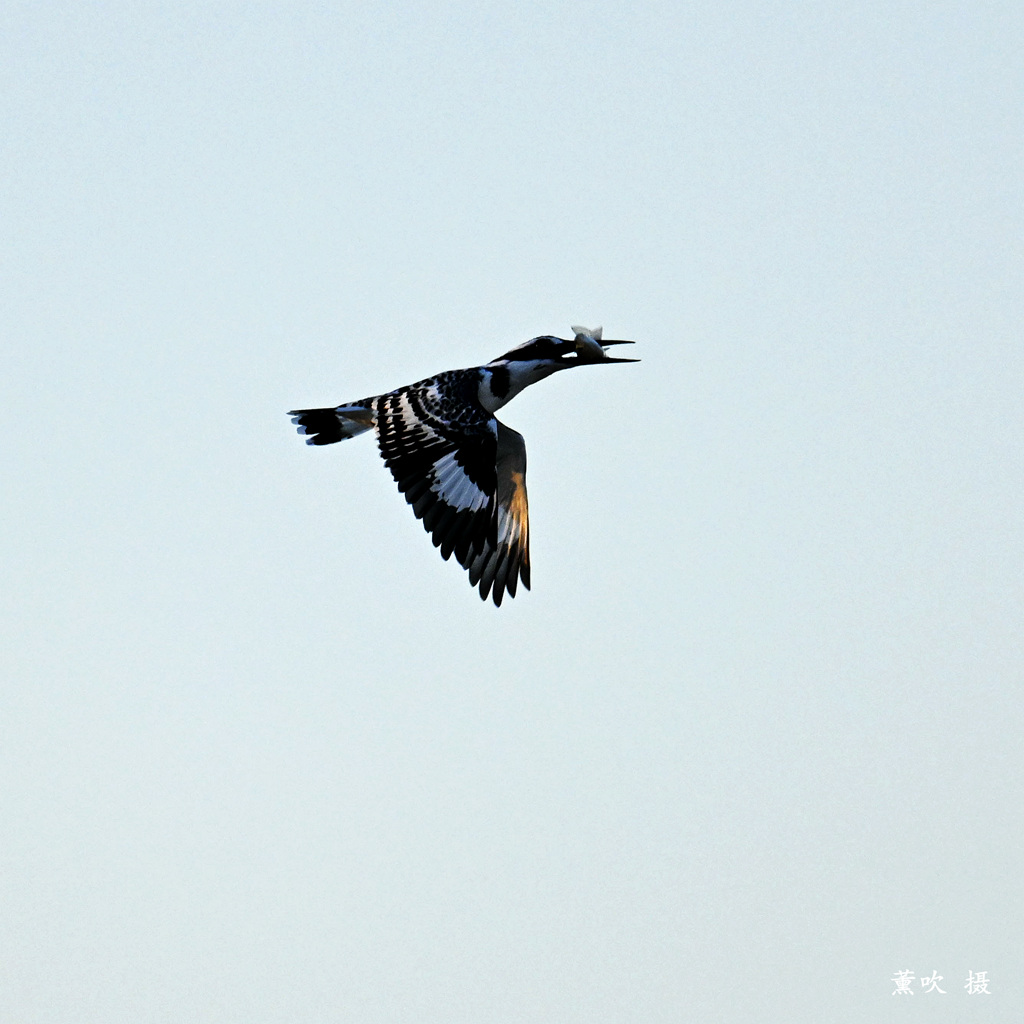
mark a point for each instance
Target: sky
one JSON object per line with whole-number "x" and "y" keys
{"x": 751, "y": 745}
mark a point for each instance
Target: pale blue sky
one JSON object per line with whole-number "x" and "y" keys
{"x": 752, "y": 743}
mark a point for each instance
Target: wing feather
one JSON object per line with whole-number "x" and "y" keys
{"x": 498, "y": 569}
{"x": 464, "y": 474}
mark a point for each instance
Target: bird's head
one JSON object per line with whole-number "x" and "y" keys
{"x": 559, "y": 354}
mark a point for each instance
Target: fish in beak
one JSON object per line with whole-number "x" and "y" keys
{"x": 589, "y": 347}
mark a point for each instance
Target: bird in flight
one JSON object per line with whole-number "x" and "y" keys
{"x": 462, "y": 470}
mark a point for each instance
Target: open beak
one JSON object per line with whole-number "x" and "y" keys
{"x": 615, "y": 359}
{"x": 585, "y": 349}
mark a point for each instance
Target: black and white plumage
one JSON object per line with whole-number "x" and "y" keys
{"x": 463, "y": 471}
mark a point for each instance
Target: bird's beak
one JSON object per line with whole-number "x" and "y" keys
{"x": 615, "y": 359}
{"x": 586, "y": 348}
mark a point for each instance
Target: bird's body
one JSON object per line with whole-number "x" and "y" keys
{"x": 463, "y": 471}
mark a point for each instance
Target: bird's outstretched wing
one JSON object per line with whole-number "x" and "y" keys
{"x": 464, "y": 474}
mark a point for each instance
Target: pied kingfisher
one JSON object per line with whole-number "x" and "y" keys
{"x": 463, "y": 471}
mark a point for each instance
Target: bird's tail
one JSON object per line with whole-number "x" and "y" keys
{"x": 327, "y": 426}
